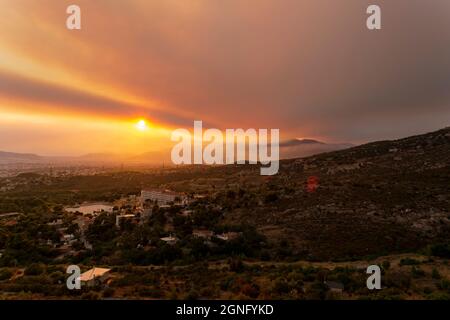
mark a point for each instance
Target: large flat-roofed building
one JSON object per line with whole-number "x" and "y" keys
{"x": 160, "y": 197}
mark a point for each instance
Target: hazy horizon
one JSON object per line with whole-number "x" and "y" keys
{"x": 311, "y": 70}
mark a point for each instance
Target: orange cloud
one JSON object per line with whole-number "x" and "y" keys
{"x": 307, "y": 67}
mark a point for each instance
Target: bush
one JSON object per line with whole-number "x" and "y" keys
{"x": 192, "y": 295}
{"x": 417, "y": 272}
{"x": 108, "y": 293}
{"x": 251, "y": 290}
{"x": 439, "y": 296}
{"x": 444, "y": 285}
{"x": 236, "y": 265}
{"x": 441, "y": 250}
{"x": 281, "y": 287}
{"x": 5, "y": 274}
{"x": 90, "y": 296}
{"x": 427, "y": 290}
{"x": 270, "y": 198}
{"x": 435, "y": 274}
{"x": 58, "y": 277}
{"x": 400, "y": 280}
{"x": 150, "y": 292}
{"x": 409, "y": 262}
{"x": 34, "y": 269}
{"x": 317, "y": 291}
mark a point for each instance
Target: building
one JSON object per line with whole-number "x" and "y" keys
{"x": 169, "y": 240}
{"x": 83, "y": 222}
{"x": 57, "y": 222}
{"x": 205, "y": 234}
{"x": 94, "y": 276}
{"x": 146, "y": 213}
{"x": 121, "y": 217}
{"x": 67, "y": 239}
{"x": 186, "y": 213}
{"x": 334, "y": 286}
{"x": 228, "y": 236}
{"x": 160, "y": 197}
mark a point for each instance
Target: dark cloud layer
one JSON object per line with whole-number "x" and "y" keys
{"x": 310, "y": 68}
{"x": 54, "y": 97}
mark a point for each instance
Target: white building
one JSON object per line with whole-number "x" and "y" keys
{"x": 170, "y": 240}
{"x": 119, "y": 218}
{"x": 161, "y": 197}
{"x": 68, "y": 238}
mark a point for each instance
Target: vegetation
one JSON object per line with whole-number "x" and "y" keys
{"x": 266, "y": 237}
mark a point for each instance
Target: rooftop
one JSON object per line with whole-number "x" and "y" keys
{"x": 162, "y": 191}
{"x": 93, "y": 273}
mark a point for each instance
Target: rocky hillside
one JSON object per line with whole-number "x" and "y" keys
{"x": 382, "y": 197}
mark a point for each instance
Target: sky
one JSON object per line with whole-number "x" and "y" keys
{"x": 309, "y": 68}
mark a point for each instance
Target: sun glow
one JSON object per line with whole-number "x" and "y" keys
{"x": 141, "y": 125}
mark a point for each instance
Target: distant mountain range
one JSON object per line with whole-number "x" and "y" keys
{"x": 299, "y": 148}
{"x": 19, "y": 157}
{"x": 295, "y": 148}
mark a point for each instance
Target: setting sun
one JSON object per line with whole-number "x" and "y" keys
{"x": 141, "y": 125}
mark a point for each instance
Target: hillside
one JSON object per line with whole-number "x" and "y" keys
{"x": 373, "y": 199}
{"x": 300, "y": 148}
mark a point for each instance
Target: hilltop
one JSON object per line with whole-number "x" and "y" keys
{"x": 372, "y": 199}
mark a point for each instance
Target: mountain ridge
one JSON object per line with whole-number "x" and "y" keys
{"x": 288, "y": 149}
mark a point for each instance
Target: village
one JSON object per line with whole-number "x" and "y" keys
{"x": 154, "y": 227}
{"x": 136, "y": 210}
